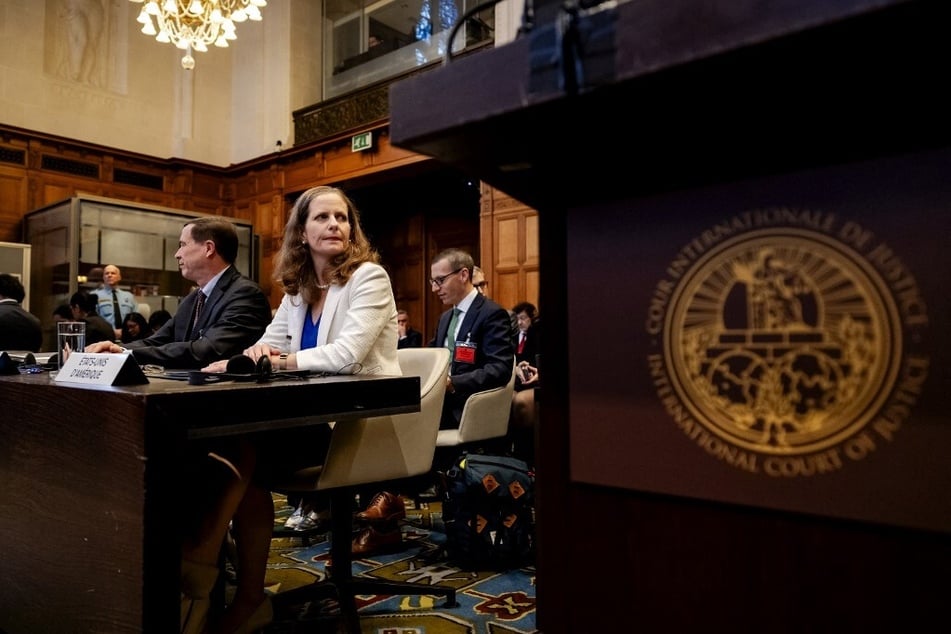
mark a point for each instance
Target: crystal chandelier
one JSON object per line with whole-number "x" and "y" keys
{"x": 194, "y": 24}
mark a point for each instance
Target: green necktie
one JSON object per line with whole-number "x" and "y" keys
{"x": 451, "y": 333}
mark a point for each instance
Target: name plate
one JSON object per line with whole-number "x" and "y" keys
{"x": 101, "y": 369}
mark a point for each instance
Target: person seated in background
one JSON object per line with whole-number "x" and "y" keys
{"x": 83, "y": 305}
{"x": 62, "y": 313}
{"x": 477, "y": 331}
{"x": 158, "y": 319}
{"x": 524, "y": 417}
{"x": 19, "y": 328}
{"x": 134, "y": 327}
{"x": 409, "y": 338}
{"x": 338, "y": 315}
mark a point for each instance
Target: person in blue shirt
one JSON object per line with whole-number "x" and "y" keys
{"x": 110, "y": 296}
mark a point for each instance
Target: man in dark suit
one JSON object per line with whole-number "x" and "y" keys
{"x": 409, "y": 338}
{"x": 234, "y": 310}
{"x": 481, "y": 342}
{"x": 19, "y": 329}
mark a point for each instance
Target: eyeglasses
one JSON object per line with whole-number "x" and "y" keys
{"x": 439, "y": 281}
{"x": 481, "y": 286}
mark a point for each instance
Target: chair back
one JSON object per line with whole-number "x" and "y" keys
{"x": 391, "y": 447}
{"x": 485, "y": 415}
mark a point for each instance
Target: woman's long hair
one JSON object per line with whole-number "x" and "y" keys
{"x": 144, "y": 330}
{"x": 293, "y": 268}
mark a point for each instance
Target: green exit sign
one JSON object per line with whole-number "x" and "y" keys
{"x": 361, "y": 142}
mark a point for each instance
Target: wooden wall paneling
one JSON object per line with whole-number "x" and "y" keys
{"x": 507, "y": 291}
{"x": 140, "y": 195}
{"x": 342, "y": 160}
{"x": 532, "y": 285}
{"x": 404, "y": 259}
{"x": 262, "y": 191}
{"x": 445, "y": 233}
{"x": 48, "y": 192}
{"x": 530, "y": 238}
{"x": 268, "y": 217}
{"x": 507, "y": 241}
{"x": 207, "y": 185}
{"x": 13, "y": 197}
{"x": 303, "y": 173}
{"x": 510, "y": 239}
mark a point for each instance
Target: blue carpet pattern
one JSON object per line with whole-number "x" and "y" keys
{"x": 490, "y": 602}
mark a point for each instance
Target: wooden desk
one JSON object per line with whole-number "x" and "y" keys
{"x": 90, "y": 486}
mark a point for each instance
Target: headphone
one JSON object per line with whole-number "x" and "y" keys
{"x": 239, "y": 368}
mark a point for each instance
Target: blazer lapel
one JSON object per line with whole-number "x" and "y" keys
{"x": 211, "y": 302}
{"x": 469, "y": 318}
{"x": 334, "y": 293}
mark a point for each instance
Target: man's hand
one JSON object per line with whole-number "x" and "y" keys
{"x": 103, "y": 346}
{"x": 217, "y": 366}
{"x": 527, "y": 373}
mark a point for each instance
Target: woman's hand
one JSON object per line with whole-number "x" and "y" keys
{"x": 258, "y": 350}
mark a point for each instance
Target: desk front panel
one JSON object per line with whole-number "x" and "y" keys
{"x": 90, "y": 489}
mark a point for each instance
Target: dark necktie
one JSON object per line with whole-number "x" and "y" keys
{"x": 198, "y": 306}
{"x": 116, "y": 315}
{"x": 451, "y": 333}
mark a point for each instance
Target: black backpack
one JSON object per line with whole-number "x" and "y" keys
{"x": 489, "y": 513}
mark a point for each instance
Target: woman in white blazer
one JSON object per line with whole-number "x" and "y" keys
{"x": 338, "y": 315}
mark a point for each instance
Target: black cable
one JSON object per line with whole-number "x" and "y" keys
{"x": 462, "y": 20}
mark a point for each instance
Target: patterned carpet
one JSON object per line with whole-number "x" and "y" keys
{"x": 489, "y": 602}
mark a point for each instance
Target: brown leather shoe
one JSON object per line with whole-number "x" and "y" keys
{"x": 385, "y": 507}
{"x": 370, "y": 541}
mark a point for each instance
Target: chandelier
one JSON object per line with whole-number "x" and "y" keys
{"x": 192, "y": 25}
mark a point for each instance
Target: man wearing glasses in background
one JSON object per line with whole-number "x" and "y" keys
{"x": 481, "y": 285}
{"x": 477, "y": 331}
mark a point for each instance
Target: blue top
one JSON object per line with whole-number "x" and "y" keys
{"x": 127, "y": 303}
{"x": 308, "y": 338}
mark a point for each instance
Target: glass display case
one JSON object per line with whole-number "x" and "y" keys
{"x": 73, "y": 239}
{"x": 15, "y": 260}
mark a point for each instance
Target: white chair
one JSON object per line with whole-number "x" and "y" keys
{"x": 366, "y": 451}
{"x": 485, "y": 416}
